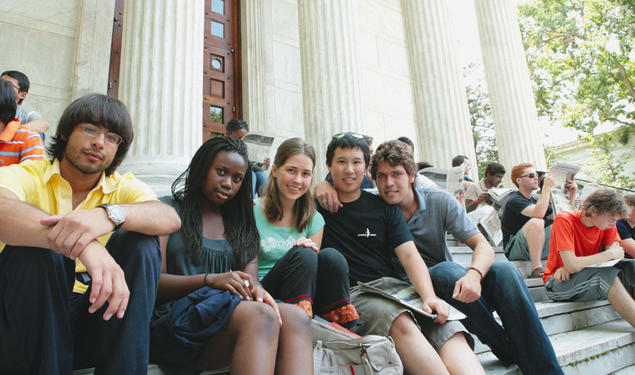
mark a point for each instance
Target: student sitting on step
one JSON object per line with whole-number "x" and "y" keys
{"x": 626, "y": 227}
{"x": 207, "y": 315}
{"x": 584, "y": 238}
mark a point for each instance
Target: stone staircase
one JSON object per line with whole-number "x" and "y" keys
{"x": 588, "y": 337}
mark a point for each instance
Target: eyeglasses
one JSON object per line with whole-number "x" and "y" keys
{"x": 354, "y": 135}
{"x": 530, "y": 175}
{"x": 110, "y": 137}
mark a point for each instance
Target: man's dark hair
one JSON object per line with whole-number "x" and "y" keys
{"x": 423, "y": 164}
{"x": 99, "y": 110}
{"x": 494, "y": 168}
{"x": 407, "y": 140}
{"x": 7, "y": 102}
{"x": 347, "y": 140}
{"x": 394, "y": 153}
{"x": 234, "y": 125}
{"x": 458, "y": 160}
{"x": 23, "y": 80}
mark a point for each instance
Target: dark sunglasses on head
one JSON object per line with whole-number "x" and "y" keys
{"x": 530, "y": 175}
{"x": 354, "y": 135}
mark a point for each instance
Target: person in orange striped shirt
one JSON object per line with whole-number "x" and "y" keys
{"x": 17, "y": 143}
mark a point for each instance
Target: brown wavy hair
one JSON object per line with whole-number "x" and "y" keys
{"x": 394, "y": 153}
{"x": 304, "y": 207}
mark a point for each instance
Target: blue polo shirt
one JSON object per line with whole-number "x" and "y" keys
{"x": 439, "y": 212}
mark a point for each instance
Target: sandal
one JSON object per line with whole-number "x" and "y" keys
{"x": 536, "y": 273}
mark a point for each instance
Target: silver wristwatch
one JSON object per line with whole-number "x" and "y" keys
{"x": 115, "y": 213}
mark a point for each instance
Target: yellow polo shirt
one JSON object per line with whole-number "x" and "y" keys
{"x": 39, "y": 183}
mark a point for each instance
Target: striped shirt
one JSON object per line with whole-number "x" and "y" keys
{"x": 19, "y": 143}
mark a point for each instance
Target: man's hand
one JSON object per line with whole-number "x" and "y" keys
{"x": 266, "y": 163}
{"x": 261, "y": 295}
{"x": 561, "y": 274}
{"x": 327, "y": 196}
{"x": 71, "y": 233}
{"x": 435, "y": 304}
{"x": 236, "y": 282}
{"x": 571, "y": 187}
{"x": 548, "y": 182}
{"x": 468, "y": 288}
{"x": 483, "y": 197}
{"x": 307, "y": 242}
{"x": 108, "y": 281}
{"x": 615, "y": 251}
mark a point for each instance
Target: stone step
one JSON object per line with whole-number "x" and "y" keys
{"x": 562, "y": 317}
{"x": 600, "y": 349}
{"x": 628, "y": 370}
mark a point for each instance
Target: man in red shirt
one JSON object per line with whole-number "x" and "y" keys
{"x": 582, "y": 239}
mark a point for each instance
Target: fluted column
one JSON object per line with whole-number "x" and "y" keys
{"x": 161, "y": 83}
{"x": 442, "y": 116}
{"x": 518, "y": 135}
{"x": 257, "y": 64}
{"x": 330, "y": 72}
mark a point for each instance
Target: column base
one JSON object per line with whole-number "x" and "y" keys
{"x": 159, "y": 174}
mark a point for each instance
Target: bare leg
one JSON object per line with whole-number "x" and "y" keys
{"x": 250, "y": 339}
{"x": 417, "y": 355}
{"x": 295, "y": 354}
{"x": 534, "y": 232}
{"x": 621, "y": 301}
{"x": 459, "y": 357}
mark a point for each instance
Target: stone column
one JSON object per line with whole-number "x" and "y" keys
{"x": 257, "y": 64}
{"x": 330, "y": 73}
{"x": 518, "y": 134}
{"x": 443, "y": 124}
{"x": 161, "y": 83}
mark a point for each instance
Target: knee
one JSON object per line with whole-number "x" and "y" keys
{"x": 294, "y": 319}
{"x": 403, "y": 325}
{"x": 445, "y": 274}
{"x": 306, "y": 258}
{"x": 135, "y": 245}
{"x": 263, "y": 320}
{"x": 534, "y": 224}
{"x": 505, "y": 276}
{"x": 332, "y": 260}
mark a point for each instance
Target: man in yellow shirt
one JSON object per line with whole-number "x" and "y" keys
{"x": 61, "y": 210}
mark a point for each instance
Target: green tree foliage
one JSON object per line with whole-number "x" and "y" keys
{"x": 582, "y": 62}
{"x": 481, "y": 121}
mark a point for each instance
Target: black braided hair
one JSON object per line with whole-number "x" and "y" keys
{"x": 237, "y": 213}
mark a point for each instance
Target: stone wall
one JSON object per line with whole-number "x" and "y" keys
{"x": 62, "y": 46}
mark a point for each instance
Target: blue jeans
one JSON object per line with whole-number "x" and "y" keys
{"x": 46, "y": 328}
{"x": 258, "y": 180}
{"x": 522, "y": 339}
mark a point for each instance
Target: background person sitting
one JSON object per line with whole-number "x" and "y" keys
{"x": 587, "y": 237}
{"x": 29, "y": 118}
{"x": 238, "y": 129}
{"x": 477, "y": 193}
{"x": 526, "y": 221}
{"x": 17, "y": 143}
{"x": 626, "y": 227}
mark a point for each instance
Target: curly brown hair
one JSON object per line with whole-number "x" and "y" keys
{"x": 395, "y": 153}
{"x": 605, "y": 201}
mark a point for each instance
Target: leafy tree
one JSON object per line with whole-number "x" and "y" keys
{"x": 481, "y": 121}
{"x": 581, "y": 60}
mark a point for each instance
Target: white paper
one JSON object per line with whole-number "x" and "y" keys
{"x": 259, "y": 147}
{"x": 454, "y": 183}
{"x": 609, "y": 263}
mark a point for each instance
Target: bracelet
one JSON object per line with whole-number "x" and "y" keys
{"x": 477, "y": 270}
{"x": 205, "y": 279}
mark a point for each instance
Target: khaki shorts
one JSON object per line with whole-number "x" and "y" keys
{"x": 377, "y": 314}
{"x": 518, "y": 249}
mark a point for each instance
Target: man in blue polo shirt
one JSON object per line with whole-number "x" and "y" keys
{"x": 485, "y": 285}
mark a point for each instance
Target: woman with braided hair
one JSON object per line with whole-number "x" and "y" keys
{"x": 208, "y": 316}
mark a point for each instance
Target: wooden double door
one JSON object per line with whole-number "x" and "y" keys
{"x": 221, "y": 63}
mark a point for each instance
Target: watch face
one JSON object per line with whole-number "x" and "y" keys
{"x": 117, "y": 214}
